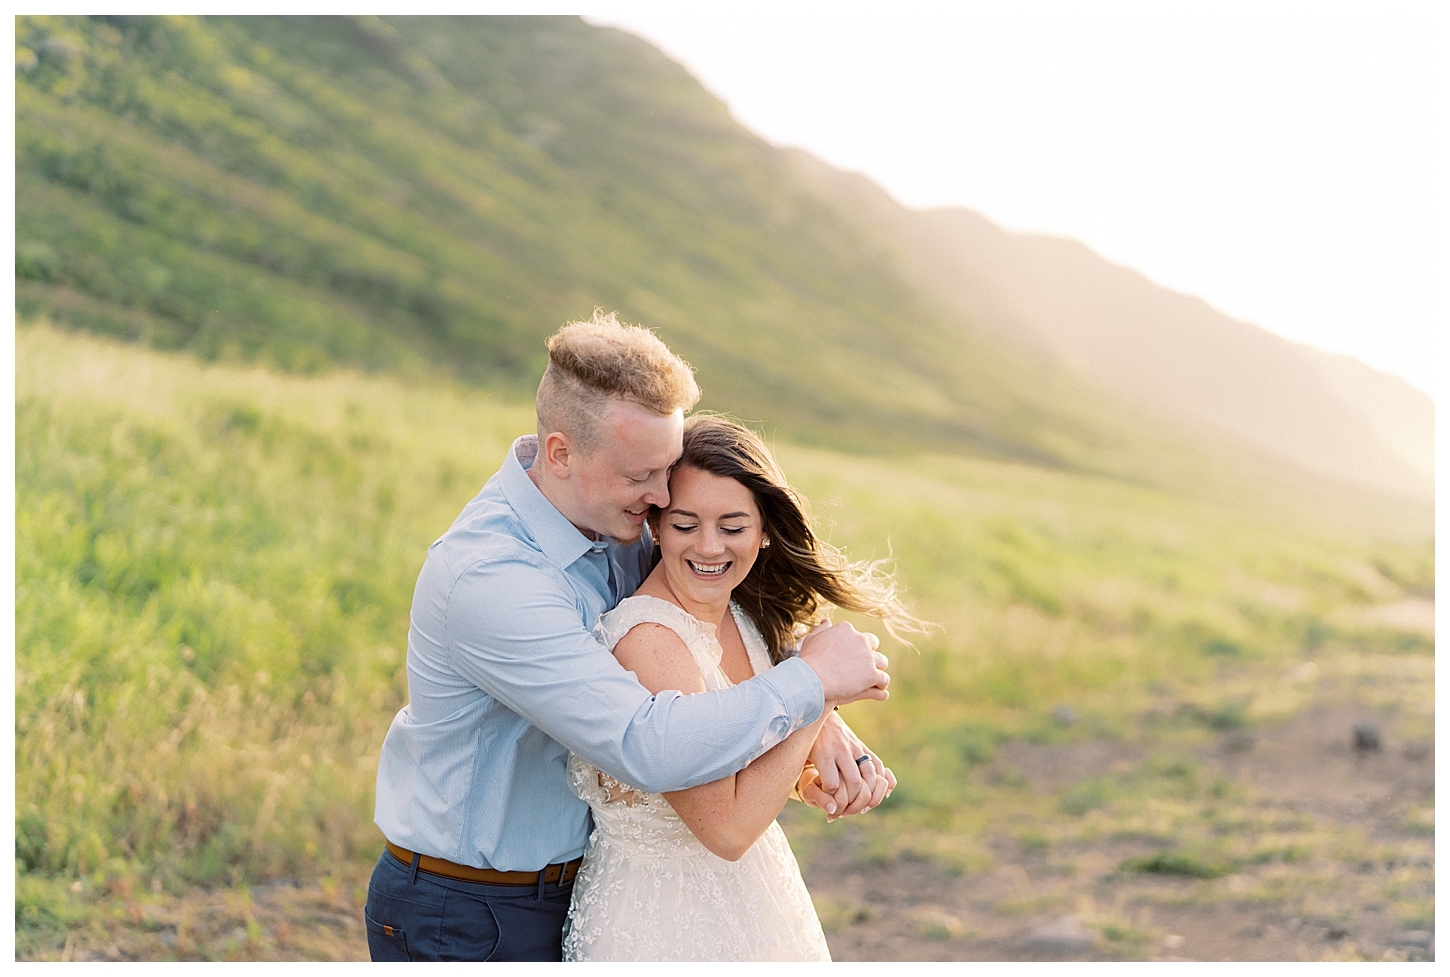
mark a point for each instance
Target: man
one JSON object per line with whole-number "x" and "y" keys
{"x": 483, "y": 831}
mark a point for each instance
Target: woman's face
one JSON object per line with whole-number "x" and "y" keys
{"x": 709, "y": 535}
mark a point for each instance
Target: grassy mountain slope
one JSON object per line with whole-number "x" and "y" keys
{"x": 448, "y": 191}
{"x": 1153, "y": 347}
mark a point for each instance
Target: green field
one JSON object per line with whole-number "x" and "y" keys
{"x": 214, "y": 565}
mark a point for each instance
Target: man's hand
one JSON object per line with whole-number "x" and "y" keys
{"x": 847, "y": 663}
{"x": 836, "y": 783}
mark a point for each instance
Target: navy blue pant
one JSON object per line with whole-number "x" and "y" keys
{"x": 412, "y": 915}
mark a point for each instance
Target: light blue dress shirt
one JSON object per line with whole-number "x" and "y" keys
{"x": 505, "y": 678}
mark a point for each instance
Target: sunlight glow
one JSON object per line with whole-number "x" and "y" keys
{"x": 1285, "y": 162}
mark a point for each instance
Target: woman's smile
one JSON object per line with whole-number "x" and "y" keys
{"x": 709, "y": 539}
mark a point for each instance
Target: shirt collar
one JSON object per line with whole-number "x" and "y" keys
{"x": 560, "y": 540}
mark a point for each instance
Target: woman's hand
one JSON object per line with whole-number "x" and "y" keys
{"x": 836, "y": 783}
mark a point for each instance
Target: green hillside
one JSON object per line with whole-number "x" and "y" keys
{"x": 1168, "y": 354}
{"x": 434, "y": 192}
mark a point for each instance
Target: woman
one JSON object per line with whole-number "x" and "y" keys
{"x": 706, "y": 873}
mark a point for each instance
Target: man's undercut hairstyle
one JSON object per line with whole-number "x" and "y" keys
{"x": 601, "y": 359}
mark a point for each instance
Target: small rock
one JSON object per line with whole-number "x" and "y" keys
{"x": 167, "y": 937}
{"x": 1366, "y": 736}
{"x": 937, "y": 924}
{"x": 1336, "y": 933}
{"x": 1064, "y": 716}
{"x": 1415, "y": 938}
{"x": 1238, "y": 742}
{"x": 1064, "y": 933}
{"x": 1173, "y": 941}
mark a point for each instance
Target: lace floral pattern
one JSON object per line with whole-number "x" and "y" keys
{"x": 649, "y": 890}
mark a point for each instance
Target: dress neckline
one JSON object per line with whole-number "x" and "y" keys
{"x": 676, "y": 609}
{"x": 757, "y": 658}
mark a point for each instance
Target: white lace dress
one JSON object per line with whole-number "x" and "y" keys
{"x": 648, "y": 889}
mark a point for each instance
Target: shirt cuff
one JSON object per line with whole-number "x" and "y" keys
{"x": 800, "y": 691}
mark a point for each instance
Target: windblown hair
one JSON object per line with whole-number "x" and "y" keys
{"x": 797, "y": 577}
{"x": 594, "y": 361}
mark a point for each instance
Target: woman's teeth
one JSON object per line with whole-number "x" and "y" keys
{"x": 708, "y": 569}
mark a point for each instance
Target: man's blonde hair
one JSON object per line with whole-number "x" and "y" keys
{"x": 601, "y": 359}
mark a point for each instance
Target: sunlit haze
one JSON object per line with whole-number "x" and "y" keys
{"x": 1284, "y": 162}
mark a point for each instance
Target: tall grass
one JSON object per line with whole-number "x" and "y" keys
{"x": 214, "y": 567}
{"x": 1067, "y": 595}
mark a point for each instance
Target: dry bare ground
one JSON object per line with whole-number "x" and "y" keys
{"x": 1077, "y": 903}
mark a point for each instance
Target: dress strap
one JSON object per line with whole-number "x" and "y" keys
{"x": 755, "y": 647}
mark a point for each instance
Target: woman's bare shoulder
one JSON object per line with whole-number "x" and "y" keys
{"x": 659, "y": 658}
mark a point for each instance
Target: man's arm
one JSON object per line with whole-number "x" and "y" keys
{"x": 514, "y": 631}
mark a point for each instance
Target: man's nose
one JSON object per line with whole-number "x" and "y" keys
{"x": 657, "y": 491}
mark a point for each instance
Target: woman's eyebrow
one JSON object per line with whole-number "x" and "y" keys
{"x": 682, "y": 512}
{"x": 728, "y": 515}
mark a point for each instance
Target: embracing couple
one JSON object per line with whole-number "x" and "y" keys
{"x": 624, "y": 628}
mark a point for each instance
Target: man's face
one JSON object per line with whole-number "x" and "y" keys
{"x": 628, "y": 471}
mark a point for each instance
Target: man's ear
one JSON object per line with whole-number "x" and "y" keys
{"x": 556, "y": 454}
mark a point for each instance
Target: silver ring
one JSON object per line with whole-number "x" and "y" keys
{"x": 862, "y": 758}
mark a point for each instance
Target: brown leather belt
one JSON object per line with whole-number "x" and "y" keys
{"x": 561, "y": 872}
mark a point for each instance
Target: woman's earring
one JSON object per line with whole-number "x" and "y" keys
{"x": 765, "y": 542}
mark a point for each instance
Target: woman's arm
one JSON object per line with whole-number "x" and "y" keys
{"x": 844, "y": 787}
{"x": 728, "y": 814}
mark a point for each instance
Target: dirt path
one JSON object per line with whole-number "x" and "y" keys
{"x": 1029, "y": 908}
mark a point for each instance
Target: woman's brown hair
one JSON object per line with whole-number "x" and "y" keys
{"x": 798, "y": 574}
